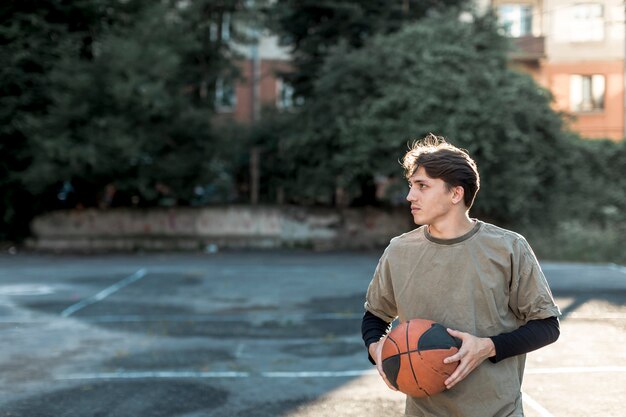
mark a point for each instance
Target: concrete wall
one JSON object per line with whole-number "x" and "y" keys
{"x": 208, "y": 228}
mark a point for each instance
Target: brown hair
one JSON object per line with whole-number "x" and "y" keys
{"x": 444, "y": 161}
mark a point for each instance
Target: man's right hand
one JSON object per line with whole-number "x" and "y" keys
{"x": 375, "y": 351}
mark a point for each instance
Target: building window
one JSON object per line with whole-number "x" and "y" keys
{"x": 225, "y": 98}
{"x": 224, "y": 26}
{"x": 579, "y": 23}
{"x": 284, "y": 94}
{"x": 516, "y": 19}
{"x": 587, "y": 93}
{"x": 285, "y": 97}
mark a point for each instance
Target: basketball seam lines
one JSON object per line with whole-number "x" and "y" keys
{"x": 419, "y": 350}
{"x": 408, "y": 324}
{"x": 394, "y": 383}
{"x": 394, "y": 342}
{"x": 435, "y": 370}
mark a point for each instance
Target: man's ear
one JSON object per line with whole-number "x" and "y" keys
{"x": 457, "y": 195}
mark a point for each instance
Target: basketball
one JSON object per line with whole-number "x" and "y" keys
{"x": 413, "y": 354}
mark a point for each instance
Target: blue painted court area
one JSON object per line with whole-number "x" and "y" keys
{"x": 255, "y": 334}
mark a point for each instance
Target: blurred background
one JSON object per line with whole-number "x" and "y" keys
{"x": 194, "y": 194}
{"x": 133, "y": 125}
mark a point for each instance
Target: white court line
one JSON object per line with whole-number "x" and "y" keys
{"x": 155, "y": 374}
{"x": 319, "y": 374}
{"x": 536, "y": 406}
{"x": 576, "y": 370}
{"x": 104, "y": 293}
{"x": 209, "y": 375}
{"x": 603, "y": 316}
{"x": 220, "y": 318}
{"x": 302, "y": 374}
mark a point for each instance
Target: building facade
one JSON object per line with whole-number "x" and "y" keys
{"x": 260, "y": 83}
{"x": 574, "y": 48}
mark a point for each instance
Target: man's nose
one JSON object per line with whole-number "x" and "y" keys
{"x": 409, "y": 197}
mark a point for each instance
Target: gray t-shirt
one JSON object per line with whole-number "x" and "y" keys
{"x": 485, "y": 282}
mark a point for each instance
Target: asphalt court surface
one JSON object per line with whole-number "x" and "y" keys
{"x": 256, "y": 334}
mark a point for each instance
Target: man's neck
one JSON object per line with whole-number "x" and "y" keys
{"x": 451, "y": 229}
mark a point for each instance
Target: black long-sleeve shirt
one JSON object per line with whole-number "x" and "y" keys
{"x": 528, "y": 337}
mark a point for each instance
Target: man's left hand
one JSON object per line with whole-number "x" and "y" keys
{"x": 473, "y": 352}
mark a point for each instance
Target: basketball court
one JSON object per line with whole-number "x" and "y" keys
{"x": 256, "y": 334}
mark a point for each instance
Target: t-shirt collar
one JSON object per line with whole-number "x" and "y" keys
{"x": 459, "y": 239}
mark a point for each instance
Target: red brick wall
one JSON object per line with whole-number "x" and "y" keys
{"x": 243, "y": 111}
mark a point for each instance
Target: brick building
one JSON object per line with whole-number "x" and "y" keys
{"x": 576, "y": 50}
{"x": 260, "y": 83}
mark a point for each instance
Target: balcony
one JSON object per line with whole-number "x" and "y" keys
{"x": 528, "y": 48}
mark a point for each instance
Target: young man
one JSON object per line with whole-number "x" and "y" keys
{"x": 480, "y": 281}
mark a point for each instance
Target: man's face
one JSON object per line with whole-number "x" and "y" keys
{"x": 431, "y": 201}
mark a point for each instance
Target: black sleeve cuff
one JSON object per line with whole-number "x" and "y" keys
{"x": 531, "y": 336}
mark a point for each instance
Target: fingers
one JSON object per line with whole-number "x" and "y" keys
{"x": 462, "y": 356}
{"x": 384, "y": 377}
{"x": 454, "y": 358}
{"x": 456, "y": 333}
{"x": 473, "y": 352}
{"x": 379, "y": 362}
{"x": 379, "y": 351}
{"x": 461, "y": 353}
{"x": 458, "y": 375}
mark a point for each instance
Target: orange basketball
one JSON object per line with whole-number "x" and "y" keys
{"x": 413, "y": 355}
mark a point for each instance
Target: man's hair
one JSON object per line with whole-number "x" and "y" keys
{"x": 444, "y": 161}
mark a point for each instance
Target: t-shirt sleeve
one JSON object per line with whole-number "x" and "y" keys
{"x": 380, "y": 299}
{"x": 530, "y": 295}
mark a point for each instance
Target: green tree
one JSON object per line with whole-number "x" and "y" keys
{"x": 311, "y": 28}
{"x": 31, "y": 36}
{"x": 439, "y": 75}
{"x": 586, "y": 221}
{"x": 216, "y": 29}
{"x": 121, "y": 116}
{"x": 102, "y": 92}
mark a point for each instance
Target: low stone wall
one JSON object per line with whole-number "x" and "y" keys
{"x": 211, "y": 228}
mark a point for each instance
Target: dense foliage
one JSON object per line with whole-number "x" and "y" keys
{"x": 112, "y": 97}
{"x": 586, "y": 217}
{"x": 442, "y": 76}
{"x": 452, "y": 78}
{"x": 311, "y": 28}
{"x": 106, "y": 103}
